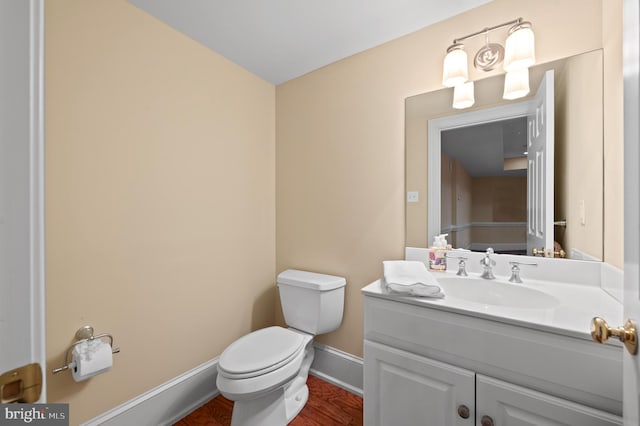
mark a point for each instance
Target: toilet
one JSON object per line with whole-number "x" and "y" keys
{"x": 265, "y": 372}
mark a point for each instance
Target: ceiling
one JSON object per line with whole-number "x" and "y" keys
{"x": 279, "y": 40}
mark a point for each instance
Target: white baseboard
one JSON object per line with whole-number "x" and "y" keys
{"x": 173, "y": 400}
{"x": 167, "y": 403}
{"x": 338, "y": 368}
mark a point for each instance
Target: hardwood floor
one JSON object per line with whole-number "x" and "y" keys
{"x": 328, "y": 405}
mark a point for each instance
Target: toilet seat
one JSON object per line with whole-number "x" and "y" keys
{"x": 260, "y": 352}
{"x": 261, "y": 361}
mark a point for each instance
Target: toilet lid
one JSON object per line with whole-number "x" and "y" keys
{"x": 261, "y": 351}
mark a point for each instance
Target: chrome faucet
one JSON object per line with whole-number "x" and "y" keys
{"x": 462, "y": 264}
{"x": 515, "y": 271}
{"x": 488, "y": 265}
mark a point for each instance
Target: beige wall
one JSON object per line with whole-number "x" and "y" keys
{"x": 613, "y": 133}
{"x": 160, "y": 204}
{"x": 340, "y": 144}
{"x": 447, "y": 189}
{"x": 462, "y": 201}
{"x": 578, "y": 135}
{"x": 499, "y": 199}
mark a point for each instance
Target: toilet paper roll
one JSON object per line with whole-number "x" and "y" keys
{"x": 91, "y": 358}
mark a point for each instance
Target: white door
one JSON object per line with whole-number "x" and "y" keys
{"x": 22, "y": 329}
{"x": 540, "y": 175}
{"x": 631, "y": 364}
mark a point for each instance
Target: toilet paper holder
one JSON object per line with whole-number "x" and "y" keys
{"x": 84, "y": 334}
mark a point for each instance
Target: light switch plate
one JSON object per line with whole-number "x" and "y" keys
{"x": 412, "y": 196}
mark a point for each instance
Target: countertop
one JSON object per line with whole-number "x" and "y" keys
{"x": 571, "y": 316}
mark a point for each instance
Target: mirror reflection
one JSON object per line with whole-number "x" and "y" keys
{"x": 469, "y": 168}
{"x": 483, "y": 186}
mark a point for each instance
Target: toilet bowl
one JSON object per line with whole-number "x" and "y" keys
{"x": 265, "y": 372}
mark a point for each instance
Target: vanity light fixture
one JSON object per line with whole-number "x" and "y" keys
{"x": 455, "y": 70}
{"x": 463, "y": 96}
{"x": 516, "y": 84}
{"x": 520, "y": 47}
{"x": 518, "y": 55}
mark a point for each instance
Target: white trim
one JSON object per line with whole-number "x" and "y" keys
{"x": 338, "y": 368}
{"x": 498, "y": 247}
{"x": 456, "y": 228}
{"x": 166, "y": 403}
{"x": 577, "y": 254}
{"x": 434, "y": 152}
{"x": 181, "y": 395}
{"x": 498, "y": 224}
{"x": 612, "y": 281}
{"x": 37, "y": 188}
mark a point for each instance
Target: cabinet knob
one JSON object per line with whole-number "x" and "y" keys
{"x": 486, "y": 421}
{"x": 463, "y": 411}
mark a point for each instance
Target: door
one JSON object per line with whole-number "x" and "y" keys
{"x": 22, "y": 327}
{"x": 540, "y": 145}
{"x": 631, "y": 363}
{"x": 405, "y": 389}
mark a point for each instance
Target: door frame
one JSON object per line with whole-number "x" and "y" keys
{"x": 37, "y": 189}
{"x": 631, "y": 74}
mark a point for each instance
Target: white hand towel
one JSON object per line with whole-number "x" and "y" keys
{"x": 411, "y": 278}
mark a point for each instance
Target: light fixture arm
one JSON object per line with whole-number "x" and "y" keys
{"x": 486, "y": 30}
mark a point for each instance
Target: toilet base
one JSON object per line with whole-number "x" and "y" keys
{"x": 277, "y": 407}
{"x": 296, "y": 402}
{"x": 265, "y": 411}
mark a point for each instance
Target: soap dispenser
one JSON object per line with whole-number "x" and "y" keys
{"x": 437, "y": 254}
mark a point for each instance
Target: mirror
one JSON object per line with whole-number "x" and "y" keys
{"x": 480, "y": 209}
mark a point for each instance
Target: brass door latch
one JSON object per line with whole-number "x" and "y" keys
{"x": 23, "y": 384}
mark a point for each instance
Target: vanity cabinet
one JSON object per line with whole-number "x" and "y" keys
{"x": 426, "y": 366}
{"x": 406, "y": 389}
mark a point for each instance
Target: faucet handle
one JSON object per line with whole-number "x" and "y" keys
{"x": 462, "y": 263}
{"x": 515, "y": 270}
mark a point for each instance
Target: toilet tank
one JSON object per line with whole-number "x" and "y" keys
{"x": 311, "y": 302}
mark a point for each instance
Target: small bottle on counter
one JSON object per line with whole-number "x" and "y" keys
{"x": 437, "y": 253}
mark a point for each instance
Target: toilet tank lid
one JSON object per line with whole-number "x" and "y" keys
{"x": 312, "y": 280}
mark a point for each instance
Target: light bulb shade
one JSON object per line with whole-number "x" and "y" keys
{"x": 463, "y": 96}
{"x": 455, "y": 70}
{"x": 516, "y": 84}
{"x": 519, "y": 48}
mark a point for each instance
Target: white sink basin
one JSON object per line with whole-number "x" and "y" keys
{"x": 488, "y": 292}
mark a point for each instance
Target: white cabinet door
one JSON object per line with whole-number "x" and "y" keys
{"x": 404, "y": 389}
{"x": 511, "y": 405}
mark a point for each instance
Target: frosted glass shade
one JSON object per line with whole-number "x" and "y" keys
{"x": 520, "y": 49}
{"x": 516, "y": 84}
{"x": 463, "y": 96}
{"x": 455, "y": 70}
